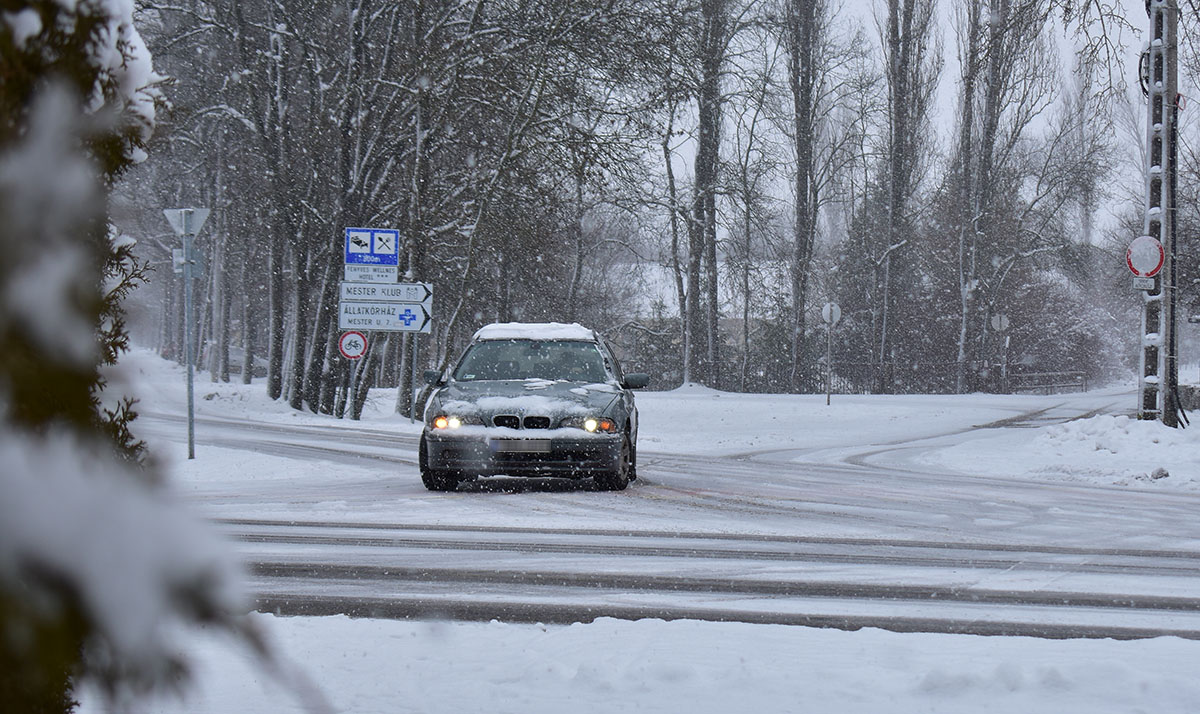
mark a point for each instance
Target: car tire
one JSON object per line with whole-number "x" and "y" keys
{"x": 434, "y": 479}
{"x": 618, "y": 479}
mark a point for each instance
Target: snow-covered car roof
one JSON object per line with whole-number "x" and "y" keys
{"x": 534, "y": 331}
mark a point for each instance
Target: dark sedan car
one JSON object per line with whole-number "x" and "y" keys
{"x": 531, "y": 400}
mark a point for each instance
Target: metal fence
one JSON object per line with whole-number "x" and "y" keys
{"x": 1048, "y": 382}
{"x": 942, "y": 378}
{"x": 893, "y": 378}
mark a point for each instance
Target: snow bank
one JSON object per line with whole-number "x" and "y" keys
{"x": 1123, "y": 450}
{"x": 1103, "y": 450}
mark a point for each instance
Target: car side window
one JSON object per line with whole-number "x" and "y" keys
{"x": 613, "y": 363}
{"x": 579, "y": 362}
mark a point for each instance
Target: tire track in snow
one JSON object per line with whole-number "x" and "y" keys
{"x": 587, "y": 573}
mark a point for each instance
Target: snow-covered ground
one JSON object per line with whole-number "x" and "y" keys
{"x": 1104, "y": 449}
{"x": 656, "y": 666}
{"x": 1108, "y": 449}
{"x": 651, "y": 666}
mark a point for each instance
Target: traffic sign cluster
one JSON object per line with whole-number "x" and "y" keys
{"x": 370, "y": 296}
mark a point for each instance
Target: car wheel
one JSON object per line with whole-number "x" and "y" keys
{"x": 434, "y": 480}
{"x": 618, "y": 479}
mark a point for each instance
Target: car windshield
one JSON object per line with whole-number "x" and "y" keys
{"x": 571, "y": 361}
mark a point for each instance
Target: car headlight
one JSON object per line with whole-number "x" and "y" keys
{"x": 453, "y": 421}
{"x": 591, "y": 424}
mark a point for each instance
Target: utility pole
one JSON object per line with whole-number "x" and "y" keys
{"x": 1158, "y": 377}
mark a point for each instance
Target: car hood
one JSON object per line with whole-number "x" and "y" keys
{"x": 526, "y": 397}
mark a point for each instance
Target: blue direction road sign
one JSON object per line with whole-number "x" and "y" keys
{"x": 383, "y": 316}
{"x": 372, "y": 246}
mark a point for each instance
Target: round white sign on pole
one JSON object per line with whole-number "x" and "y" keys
{"x": 1145, "y": 256}
{"x": 352, "y": 344}
{"x": 1000, "y": 322}
{"x": 831, "y": 313}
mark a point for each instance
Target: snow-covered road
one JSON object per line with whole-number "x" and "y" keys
{"x": 861, "y": 535}
{"x": 921, "y": 515}
{"x": 542, "y": 575}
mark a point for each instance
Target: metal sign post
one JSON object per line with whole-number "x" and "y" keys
{"x": 1000, "y": 326}
{"x": 1158, "y": 374}
{"x": 831, "y": 314}
{"x": 187, "y": 223}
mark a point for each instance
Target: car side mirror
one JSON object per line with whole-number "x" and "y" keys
{"x": 637, "y": 380}
{"x": 433, "y": 377}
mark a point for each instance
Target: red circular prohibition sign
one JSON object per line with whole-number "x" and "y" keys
{"x": 353, "y": 344}
{"x": 1145, "y": 256}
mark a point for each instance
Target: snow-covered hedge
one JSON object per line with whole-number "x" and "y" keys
{"x": 97, "y": 566}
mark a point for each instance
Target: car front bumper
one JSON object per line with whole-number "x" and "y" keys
{"x": 490, "y": 455}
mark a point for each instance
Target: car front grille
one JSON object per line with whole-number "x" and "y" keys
{"x": 511, "y": 421}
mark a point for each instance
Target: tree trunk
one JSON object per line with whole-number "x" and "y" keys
{"x": 324, "y": 339}
{"x": 899, "y": 39}
{"x": 404, "y": 385}
{"x": 802, "y": 39}
{"x": 302, "y": 312}
{"x": 966, "y": 231}
{"x": 172, "y": 319}
{"x": 360, "y": 383}
{"x": 681, "y": 293}
{"x": 703, "y": 229}
{"x": 226, "y": 309}
{"x": 908, "y": 26}
{"x": 249, "y": 321}
{"x": 746, "y": 248}
{"x": 577, "y": 230}
{"x": 275, "y": 313}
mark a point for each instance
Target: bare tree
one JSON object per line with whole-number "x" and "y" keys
{"x": 1007, "y": 82}
{"x": 702, "y": 229}
{"x": 753, "y": 165}
{"x": 912, "y": 65}
{"x": 804, "y": 25}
